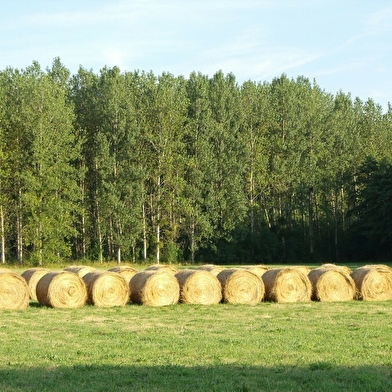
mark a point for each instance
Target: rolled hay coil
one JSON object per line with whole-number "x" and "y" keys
{"x": 162, "y": 267}
{"x": 154, "y": 288}
{"x": 106, "y": 289}
{"x": 61, "y": 289}
{"x": 81, "y": 270}
{"x": 241, "y": 286}
{"x": 14, "y": 291}
{"x": 125, "y": 271}
{"x": 212, "y": 268}
{"x": 331, "y": 284}
{"x": 257, "y": 269}
{"x": 287, "y": 285}
{"x": 373, "y": 282}
{"x": 32, "y": 276}
{"x": 199, "y": 287}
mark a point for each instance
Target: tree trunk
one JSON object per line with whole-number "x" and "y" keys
{"x": 144, "y": 234}
{"x": 2, "y": 235}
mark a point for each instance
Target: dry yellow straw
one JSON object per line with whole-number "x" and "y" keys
{"x": 373, "y": 282}
{"x": 14, "y": 292}
{"x": 331, "y": 284}
{"x": 32, "y": 276}
{"x": 241, "y": 286}
{"x": 257, "y": 269}
{"x": 106, "y": 289}
{"x": 199, "y": 287}
{"x": 63, "y": 289}
{"x": 125, "y": 271}
{"x": 81, "y": 270}
{"x": 162, "y": 267}
{"x": 214, "y": 269}
{"x": 287, "y": 285}
{"x": 154, "y": 288}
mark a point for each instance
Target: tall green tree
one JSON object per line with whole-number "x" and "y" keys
{"x": 162, "y": 120}
{"x": 40, "y": 138}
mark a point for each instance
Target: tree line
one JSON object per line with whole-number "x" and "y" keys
{"x": 142, "y": 167}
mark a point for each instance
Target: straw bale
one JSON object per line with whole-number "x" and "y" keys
{"x": 14, "y": 292}
{"x": 287, "y": 285}
{"x": 162, "y": 267}
{"x": 61, "y": 289}
{"x": 106, "y": 289}
{"x": 154, "y": 288}
{"x": 32, "y": 276}
{"x": 241, "y": 286}
{"x": 373, "y": 282}
{"x": 302, "y": 268}
{"x": 257, "y": 269}
{"x": 214, "y": 269}
{"x": 341, "y": 268}
{"x": 81, "y": 270}
{"x": 331, "y": 284}
{"x": 125, "y": 271}
{"x": 199, "y": 287}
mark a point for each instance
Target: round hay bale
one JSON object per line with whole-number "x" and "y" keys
{"x": 106, "y": 289}
{"x": 214, "y": 269}
{"x": 162, "y": 267}
{"x": 287, "y": 285}
{"x": 32, "y": 276}
{"x": 154, "y": 288}
{"x": 331, "y": 284}
{"x": 373, "y": 282}
{"x": 14, "y": 292}
{"x": 81, "y": 270}
{"x": 341, "y": 268}
{"x": 61, "y": 289}
{"x": 241, "y": 286}
{"x": 125, "y": 271}
{"x": 257, "y": 269}
{"x": 199, "y": 287}
{"x": 302, "y": 268}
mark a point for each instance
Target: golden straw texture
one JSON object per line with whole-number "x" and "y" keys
{"x": 125, "y": 271}
{"x": 199, "y": 287}
{"x": 62, "y": 289}
{"x": 241, "y": 286}
{"x": 214, "y": 269}
{"x": 373, "y": 282}
{"x": 287, "y": 285}
{"x": 106, "y": 289}
{"x": 162, "y": 267}
{"x": 154, "y": 288}
{"x": 81, "y": 270}
{"x": 331, "y": 284}
{"x": 32, "y": 276}
{"x": 14, "y": 292}
{"x": 257, "y": 269}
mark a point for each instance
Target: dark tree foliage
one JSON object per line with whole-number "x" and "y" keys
{"x": 371, "y": 232}
{"x": 143, "y": 167}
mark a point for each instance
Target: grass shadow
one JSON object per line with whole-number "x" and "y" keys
{"x": 320, "y": 376}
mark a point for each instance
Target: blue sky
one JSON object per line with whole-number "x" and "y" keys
{"x": 342, "y": 44}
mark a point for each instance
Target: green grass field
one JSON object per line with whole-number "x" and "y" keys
{"x": 268, "y": 347}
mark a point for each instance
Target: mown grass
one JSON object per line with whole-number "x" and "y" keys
{"x": 268, "y": 347}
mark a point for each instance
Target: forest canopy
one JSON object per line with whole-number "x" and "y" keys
{"x": 141, "y": 167}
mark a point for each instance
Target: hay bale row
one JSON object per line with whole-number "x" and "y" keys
{"x": 161, "y": 285}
